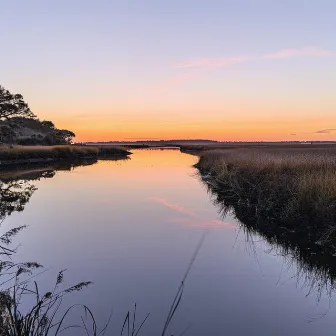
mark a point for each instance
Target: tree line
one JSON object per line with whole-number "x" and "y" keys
{"x": 19, "y": 125}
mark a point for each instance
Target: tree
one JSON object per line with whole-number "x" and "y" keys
{"x": 7, "y": 134}
{"x": 65, "y": 135}
{"x": 13, "y": 105}
{"x": 58, "y": 137}
{"x": 48, "y": 124}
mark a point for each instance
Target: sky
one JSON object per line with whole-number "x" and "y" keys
{"x": 238, "y": 70}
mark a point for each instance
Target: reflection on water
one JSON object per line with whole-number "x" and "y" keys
{"x": 16, "y": 183}
{"x": 315, "y": 264}
{"x": 132, "y": 226}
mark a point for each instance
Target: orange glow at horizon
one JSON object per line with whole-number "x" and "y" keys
{"x": 277, "y": 130}
{"x": 235, "y": 120}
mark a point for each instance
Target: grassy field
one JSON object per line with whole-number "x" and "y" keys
{"x": 17, "y": 153}
{"x": 293, "y": 188}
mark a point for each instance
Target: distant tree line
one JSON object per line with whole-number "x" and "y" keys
{"x": 19, "y": 125}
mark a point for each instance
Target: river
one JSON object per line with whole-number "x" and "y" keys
{"x": 132, "y": 227}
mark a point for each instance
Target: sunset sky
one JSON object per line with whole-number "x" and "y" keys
{"x": 177, "y": 69}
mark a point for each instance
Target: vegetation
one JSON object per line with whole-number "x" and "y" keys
{"x": 314, "y": 264}
{"x": 13, "y": 105}
{"x": 16, "y": 283}
{"x": 24, "y": 131}
{"x": 199, "y": 148}
{"x": 14, "y": 154}
{"x": 105, "y": 151}
{"x": 41, "y": 317}
{"x": 292, "y": 189}
{"x": 46, "y": 152}
{"x": 19, "y": 125}
{"x": 43, "y": 314}
{"x": 36, "y": 140}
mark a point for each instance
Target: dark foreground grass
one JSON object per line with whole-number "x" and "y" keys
{"x": 289, "y": 188}
{"x": 67, "y": 152}
{"x": 42, "y": 317}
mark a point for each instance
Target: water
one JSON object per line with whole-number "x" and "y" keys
{"x": 132, "y": 226}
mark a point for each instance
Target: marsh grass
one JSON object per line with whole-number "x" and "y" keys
{"x": 198, "y": 148}
{"x": 291, "y": 188}
{"x": 46, "y": 152}
{"x": 66, "y": 152}
{"x": 40, "y": 319}
{"x": 313, "y": 265}
{"x": 287, "y": 197}
{"x": 44, "y": 318}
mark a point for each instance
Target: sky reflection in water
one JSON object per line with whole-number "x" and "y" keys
{"x": 132, "y": 226}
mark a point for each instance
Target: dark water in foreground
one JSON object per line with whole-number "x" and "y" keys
{"x": 132, "y": 226}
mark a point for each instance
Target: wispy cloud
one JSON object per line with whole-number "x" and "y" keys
{"x": 281, "y": 54}
{"x": 203, "y": 223}
{"x": 323, "y": 131}
{"x": 173, "y": 206}
{"x": 326, "y": 131}
{"x": 180, "y": 79}
{"x": 191, "y": 217}
{"x": 197, "y": 67}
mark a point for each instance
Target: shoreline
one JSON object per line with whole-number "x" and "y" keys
{"x": 10, "y": 163}
{"x": 25, "y": 155}
{"x": 281, "y": 190}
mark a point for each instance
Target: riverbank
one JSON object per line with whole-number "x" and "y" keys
{"x": 13, "y": 155}
{"x": 198, "y": 149}
{"x": 293, "y": 189}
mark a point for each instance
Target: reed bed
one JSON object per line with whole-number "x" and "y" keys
{"x": 294, "y": 188}
{"x": 45, "y": 152}
{"x": 16, "y": 153}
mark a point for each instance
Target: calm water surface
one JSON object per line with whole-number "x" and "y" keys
{"x": 132, "y": 226}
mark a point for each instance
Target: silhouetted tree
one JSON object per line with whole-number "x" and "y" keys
{"x": 13, "y": 105}
{"x": 7, "y": 134}
{"x": 48, "y": 124}
{"x": 65, "y": 135}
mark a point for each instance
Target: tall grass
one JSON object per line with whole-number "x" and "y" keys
{"x": 13, "y": 153}
{"x": 298, "y": 245}
{"x": 292, "y": 188}
{"x": 46, "y": 152}
{"x": 43, "y": 318}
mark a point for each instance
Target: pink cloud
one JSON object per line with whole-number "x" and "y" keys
{"x": 199, "y": 66}
{"x": 326, "y": 131}
{"x": 173, "y": 206}
{"x": 179, "y": 79}
{"x": 203, "y": 223}
{"x": 281, "y": 54}
{"x": 193, "y": 219}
